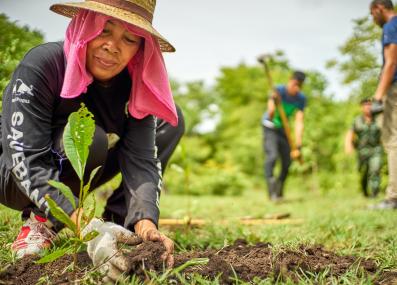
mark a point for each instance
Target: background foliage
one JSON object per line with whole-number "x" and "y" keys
{"x": 15, "y": 41}
{"x": 221, "y": 152}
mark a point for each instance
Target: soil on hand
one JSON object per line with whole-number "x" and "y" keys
{"x": 240, "y": 259}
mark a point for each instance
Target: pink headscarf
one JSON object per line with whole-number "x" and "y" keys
{"x": 150, "y": 92}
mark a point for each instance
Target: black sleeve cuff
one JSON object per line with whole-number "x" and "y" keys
{"x": 145, "y": 210}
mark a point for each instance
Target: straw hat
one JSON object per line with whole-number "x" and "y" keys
{"x": 135, "y": 12}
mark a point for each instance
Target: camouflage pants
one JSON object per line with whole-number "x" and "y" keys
{"x": 369, "y": 166}
{"x": 389, "y": 139}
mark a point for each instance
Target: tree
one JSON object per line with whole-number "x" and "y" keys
{"x": 230, "y": 158}
{"x": 360, "y": 66}
{"x": 198, "y": 102}
{"x": 15, "y": 41}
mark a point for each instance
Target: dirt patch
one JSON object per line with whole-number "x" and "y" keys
{"x": 240, "y": 259}
{"x": 25, "y": 271}
{"x": 259, "y": 261}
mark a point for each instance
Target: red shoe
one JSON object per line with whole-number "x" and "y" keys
{"x": 35, "y": 235}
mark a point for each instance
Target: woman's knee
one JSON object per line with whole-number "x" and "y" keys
{"x": 180, "y": 128}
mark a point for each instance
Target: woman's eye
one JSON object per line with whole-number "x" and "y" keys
{"x": 105, "y": 31}
{"x": 131, "y": 41}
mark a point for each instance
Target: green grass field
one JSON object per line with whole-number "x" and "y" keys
{"x": 338, "y": 219}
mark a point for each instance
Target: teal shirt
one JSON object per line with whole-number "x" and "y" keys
{"x": 290, "y": 104}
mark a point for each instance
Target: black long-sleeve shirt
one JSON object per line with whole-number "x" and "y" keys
{"x": 33, "y": 109}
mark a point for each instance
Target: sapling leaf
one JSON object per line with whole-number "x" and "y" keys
{"x": 70, "y": 149}
{"x": 77, "y": 138}
{"x": 75, "y": 241}
{"x": 89, "y": 212}
{"x": 90, "y": 236}
{"x": 60, "y": 214}
{"x": 53, "y": 255}
{"x": 66, "y": 191}
{"x": 88, "y": 185}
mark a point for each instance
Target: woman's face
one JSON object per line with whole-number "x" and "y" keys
{"x": 109, "y": 53}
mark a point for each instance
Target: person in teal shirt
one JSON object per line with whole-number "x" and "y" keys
{"x": 276, "y": 144}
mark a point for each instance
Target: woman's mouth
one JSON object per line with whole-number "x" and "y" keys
{"x": 105, "y": 63}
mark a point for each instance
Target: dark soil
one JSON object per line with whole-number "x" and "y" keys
{"x": 240, "y": 259}
{"x": 250, "y": 261}
{"x": 25, "y": 271}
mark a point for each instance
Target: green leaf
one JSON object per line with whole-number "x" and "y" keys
{"x": 88, "y": 185}
{"x": 66, "y": 191}
{"x": 176, "y": 271}
{"x": 53, "y": 255}
{"x": 77, "y": 138}
{"x": 91, "y": 211}
{"x": 75, "y": 240}
{"x": 71, "y": 151}
{"x": 90, "y": 236}
{"x": 60, "y": 214}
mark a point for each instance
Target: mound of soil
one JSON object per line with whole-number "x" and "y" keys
{"x": 250, "y": 261}
{"x": 245, "y": 261}
{"x": 25, "y": 271}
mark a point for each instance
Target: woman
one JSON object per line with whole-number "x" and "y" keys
{"x": 111, "y": 61}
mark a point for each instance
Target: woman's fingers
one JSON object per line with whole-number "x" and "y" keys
{"x": 169, "y": 259}
{"x": 168, "y": 256}
{"x": 152, "y": 235}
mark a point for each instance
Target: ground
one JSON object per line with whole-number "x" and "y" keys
{"x": 329, "y": 237}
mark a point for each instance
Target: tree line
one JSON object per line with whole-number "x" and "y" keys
{"x": 221, "y": 152}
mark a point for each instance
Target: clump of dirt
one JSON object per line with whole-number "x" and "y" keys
{"x": 238, "y": 260}
{"x": 146, "y": 257}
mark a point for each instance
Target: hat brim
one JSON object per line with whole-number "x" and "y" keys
{"x": 71, "y": 9}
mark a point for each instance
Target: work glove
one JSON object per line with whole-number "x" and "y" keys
{"x": 376, "y": 107}
{"x": 103, "y": 249}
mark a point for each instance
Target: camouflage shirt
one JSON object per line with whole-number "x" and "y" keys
{"x": 366, "y": 135}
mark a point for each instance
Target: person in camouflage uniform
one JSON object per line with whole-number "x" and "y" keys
{"x": 365, "y": 137}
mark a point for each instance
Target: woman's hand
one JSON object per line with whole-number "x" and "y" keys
{"x": 148, "y": 231}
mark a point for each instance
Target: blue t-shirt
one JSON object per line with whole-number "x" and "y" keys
{"x": 389, "y": 37}
{"x": 290, "y": 105}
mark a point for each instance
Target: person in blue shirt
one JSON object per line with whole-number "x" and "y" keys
{"x": 276, "y": 144}
{"x": 384, "y": 16}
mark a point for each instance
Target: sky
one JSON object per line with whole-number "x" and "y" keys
{"x": 209, "y": 34}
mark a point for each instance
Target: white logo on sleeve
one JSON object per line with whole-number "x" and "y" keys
{"x": 19, "y": 89}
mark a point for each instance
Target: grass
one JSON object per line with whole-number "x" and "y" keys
{"x": 338, "y": 219}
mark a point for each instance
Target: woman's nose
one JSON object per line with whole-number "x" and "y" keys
{"x": 110, "y": 46}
